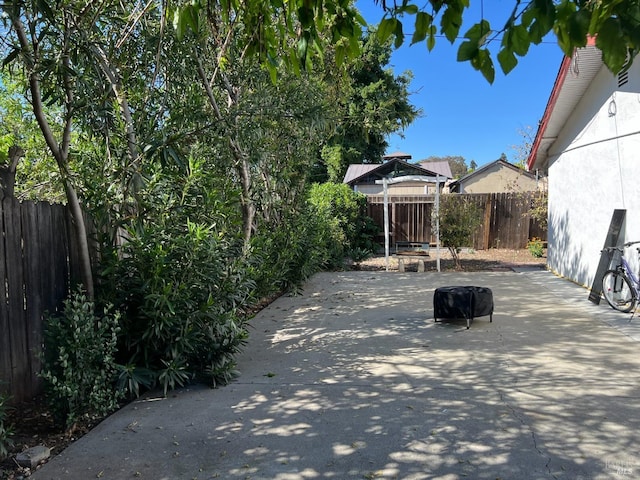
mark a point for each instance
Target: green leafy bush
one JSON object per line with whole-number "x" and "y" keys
{"x": 6, "y": 431}
{"x": 78, "y": 362}
{"x": 331, "y": 226}
{"x": 359, "y": 254}
{"x": 536, "y": 247}
{"x": 343, "y": 226}
{"x": 131, "y": 378}
{"x": 284, "y": 256}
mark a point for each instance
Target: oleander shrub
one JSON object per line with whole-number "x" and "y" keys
{"x": 329, "y": 227}
{"x": 283, "y": 256}
{"x": 183, "y": 290}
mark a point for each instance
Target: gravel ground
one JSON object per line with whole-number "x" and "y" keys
{"x": 493, "y": 259}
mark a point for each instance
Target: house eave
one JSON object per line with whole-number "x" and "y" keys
{"x": 573, "y": 79}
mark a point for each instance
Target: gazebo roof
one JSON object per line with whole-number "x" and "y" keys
{"x": 393, "y": 168}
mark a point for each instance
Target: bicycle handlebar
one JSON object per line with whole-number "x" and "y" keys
{"x": 620, "y": 249}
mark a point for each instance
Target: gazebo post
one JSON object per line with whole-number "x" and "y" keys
{"x": 409, "y": 178}
{"x": 438, "y": 222}
{"x": 386, "y": 224}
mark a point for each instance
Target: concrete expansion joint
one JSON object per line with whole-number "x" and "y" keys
{"x": 534, "y": 439}
{"x": 498, "y": 330}
{"x": 548, "y": 467}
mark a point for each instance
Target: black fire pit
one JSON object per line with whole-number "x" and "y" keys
{"x": 462, "y": 302}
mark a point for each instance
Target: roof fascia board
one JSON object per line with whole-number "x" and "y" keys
{"x": 553, "y": 98}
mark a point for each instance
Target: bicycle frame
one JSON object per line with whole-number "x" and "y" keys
{"x": 632, "y": 276}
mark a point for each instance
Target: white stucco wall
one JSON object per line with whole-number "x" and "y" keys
{"x": 594, "y": 169}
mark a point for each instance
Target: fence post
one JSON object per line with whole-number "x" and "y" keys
{"x": 488, "y": 207}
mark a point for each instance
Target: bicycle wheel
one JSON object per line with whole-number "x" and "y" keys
{"x": 618, "y": 291}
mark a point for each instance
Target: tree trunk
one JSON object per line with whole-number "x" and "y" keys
{"x": 81, "y": 237}
{"x": 8, "y": 172}
{"x": 115, "y": 81}
{"x": 248, "y": 207}
{"x": 59, "y": 150}
{"x": 239, "y": 156}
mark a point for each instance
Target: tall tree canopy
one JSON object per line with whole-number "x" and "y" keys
{"x": 370, "y": 104}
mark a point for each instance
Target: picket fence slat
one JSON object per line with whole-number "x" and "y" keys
{"x": 47, "y": 276}
{"x": 15, "y": 301}
{"x": 33, "y": 288}
{"x": 5, "y": 339}
{"x": 35, "y": 276}
{"x": 506, "y": 219}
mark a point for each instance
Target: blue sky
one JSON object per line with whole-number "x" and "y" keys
{"x": 462, "y": 114}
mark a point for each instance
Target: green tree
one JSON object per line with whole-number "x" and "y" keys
{"x": 371, "y": 103}
{"x": 457, "y": 164}
{"x": 263, "y": 136}
{"x": 25, "y": 160}
{"x": 459, "y": 218}
{"x": 291, "y": 33}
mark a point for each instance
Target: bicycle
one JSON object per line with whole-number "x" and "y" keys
{"x": 620, "y": 286}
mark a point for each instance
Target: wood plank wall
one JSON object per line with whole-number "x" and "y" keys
{"x": 35, "y": 277}
{"x": 506, "y": 220}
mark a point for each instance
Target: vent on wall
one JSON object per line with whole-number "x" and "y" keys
{"x": 623, "y": 78}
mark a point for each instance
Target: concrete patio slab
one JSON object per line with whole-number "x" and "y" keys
{"x": 353, "y": 379}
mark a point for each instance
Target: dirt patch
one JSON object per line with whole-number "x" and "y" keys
{"x": 33, "y": 424}
{"x": 471, "y": 261}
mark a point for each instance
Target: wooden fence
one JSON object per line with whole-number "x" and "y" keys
{"x": 506, "y": 219}
{"x": 37, "y": 264}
